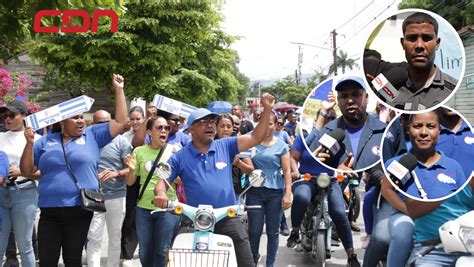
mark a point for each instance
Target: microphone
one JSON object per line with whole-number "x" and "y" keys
{"x": 332, "y": 140}
{"x": 387, "y": 85}
{"x": 399, "y": 169}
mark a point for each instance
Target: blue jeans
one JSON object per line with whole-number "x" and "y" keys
{"x": 380, "y": 238}
{"x": 19, "y": 204}
{"x": 436, "y": 258}
{"x": 303, "y": 192}
{"x": 368, "y": 211}
{"x": 270, "y": 200}
{"x": 401, "y": 228}
{"x": 155, "y": 233}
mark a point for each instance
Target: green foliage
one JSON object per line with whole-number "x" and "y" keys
{"x": 458, "y": 13}
{"x": 287, "y": 90}
{"x": 342, "y": 62}
{"x": 173, "y": 48}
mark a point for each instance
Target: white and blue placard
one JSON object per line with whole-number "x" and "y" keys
{"x": 173, "y": 106}
{"x": 59, "y": 112}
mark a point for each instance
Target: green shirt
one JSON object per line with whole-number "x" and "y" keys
{"x": 145, "y": 156}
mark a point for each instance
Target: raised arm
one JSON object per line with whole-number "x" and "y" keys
{"x": 27, "y": 166}
{"x": 247, "y": 141}
{"x": 117, "y": 125}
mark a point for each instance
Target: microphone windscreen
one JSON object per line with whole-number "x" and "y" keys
{"x": 408, "y": 161}
{"x": 397, "y": 77}
{"x": 338, "y": 134}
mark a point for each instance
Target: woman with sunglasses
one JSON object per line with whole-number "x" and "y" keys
{"x": 281, "y": 133}
{"x": 155, "y": 231}
{"x": 63, "y": 224}
{"x": 18, "y": 196}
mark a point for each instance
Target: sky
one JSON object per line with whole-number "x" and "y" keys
{"x": 267, "y": 28}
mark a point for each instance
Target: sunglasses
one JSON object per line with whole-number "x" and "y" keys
{"x": 279, "y": 123}
{"x": 205, "y": 122}
{"x": 9, "y": 115}
{"x": 160, "y": 128}
{"x": 177, "y": 121}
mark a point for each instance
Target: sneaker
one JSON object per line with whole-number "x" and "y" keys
{"x": 352, "y": 261}
{"x": 127, "y": 263}
{"x": 293, "y": 239}
{"x": 284, "y": 231}
{"x": 354, "y": 227}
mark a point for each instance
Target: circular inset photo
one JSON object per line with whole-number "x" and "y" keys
{"x": 345, "y": 137}
{"x": 414, "y": 61}
{"x": 436, "y": 161}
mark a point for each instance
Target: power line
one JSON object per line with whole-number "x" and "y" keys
{"x": 357, "y": 14}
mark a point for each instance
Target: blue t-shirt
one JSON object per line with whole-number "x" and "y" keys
{"x": 458, "y": 146}
{"x": 438, "y": 180}
{"x": 207, "y": 177}
{"x": 179, "y": 139}
{"x": 426, "y": 227}
{"x": 56, "y": 186}
{"x": 354, "y": 135}
{"x": 307, "y": 163}
{"x": 4, "y": 165}
{"x": 282, "y": 135}
{"x": 291, "y": 127}
{"x": 268, "y": 159}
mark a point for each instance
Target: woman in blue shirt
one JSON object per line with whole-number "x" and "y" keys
{"x": 273, "y": 158}
{"x": 63, "y": 224}
{"x": 4, "y": 166}
{"x": 438, "y": 175}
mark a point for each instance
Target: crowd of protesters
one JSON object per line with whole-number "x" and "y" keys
{"x": 119, "y": 155}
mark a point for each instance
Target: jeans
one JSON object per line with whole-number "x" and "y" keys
{"x": 19, "y": 204}
{"x": 436, "y": 258}
{"x": 368, "y": 211}
{"x": 155, "y": 233}
{"x": 62, "y": 228}
{"x": 270, "y": 214}
{"x": 234, "y": 228}
{"x": 303, "y": 192}
{"x": 401, "y": 228}
{"x": 113, "y": 218}
{"x": 380, "y": 239}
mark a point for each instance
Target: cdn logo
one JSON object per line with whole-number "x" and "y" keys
{"x": 66, "y": 20}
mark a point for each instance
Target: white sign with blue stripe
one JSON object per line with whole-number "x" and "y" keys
{"x": 59, "y": 112}
{"x": 173, "y": 106}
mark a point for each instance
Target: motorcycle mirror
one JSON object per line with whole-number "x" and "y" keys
{"x": 163, "y": 170}
{"x": 257, "y": 178}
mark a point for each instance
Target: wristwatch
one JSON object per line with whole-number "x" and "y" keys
{"x": 324, "y": 114}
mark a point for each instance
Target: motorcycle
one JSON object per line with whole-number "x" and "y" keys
{"x": 352, "y": 199}
{"x": 456, "y": 236}
{"x": 317, "y": 224}
{"x": 202, "y": 247}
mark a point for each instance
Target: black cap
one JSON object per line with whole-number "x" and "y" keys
{"x": 16, "y": 106}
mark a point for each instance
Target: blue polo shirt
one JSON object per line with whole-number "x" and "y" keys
{"x": 426, "y": 227}
{"x": 458, "y": 146}
{"x": 207, "y": 177}
{"x": 4, "y": 165}
{"x": 367, "y": 153}
{"x": 179, "y": 139}
{"x": 438, "y": 180}
{"x": 291, "y": 128}
{"x": 56, "y": 187}
{"x": 307, "y": 163}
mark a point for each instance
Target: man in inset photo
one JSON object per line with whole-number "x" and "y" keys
{"x": 418, "y": 83}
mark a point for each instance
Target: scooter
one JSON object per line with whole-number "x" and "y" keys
{"x": 456, "y": 236}
{"x": 203, "y": 247}
{"x": 317, "y": 224}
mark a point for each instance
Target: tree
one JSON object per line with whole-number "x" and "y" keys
{"x": 173, "y": 48}
{"x": 317, "y": 77}
{"x": 16, "y": 19}
{"x": 458, "y": 13}
{"x": 287, "y": 90}
{"x": 342, "y": 62}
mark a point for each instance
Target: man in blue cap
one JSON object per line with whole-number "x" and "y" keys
{"x": 363, "y": 132}
{"x": 205, "y": 168}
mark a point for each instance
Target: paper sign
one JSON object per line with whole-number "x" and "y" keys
{"x": 59, "y": 112}
{"x": 173, "y": 106}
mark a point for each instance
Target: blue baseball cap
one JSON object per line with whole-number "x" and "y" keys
{"x": 350, "y": 79}
{"x": 199, "y": 114}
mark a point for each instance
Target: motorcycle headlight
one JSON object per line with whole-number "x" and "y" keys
{"x": 467, "y": 237}
{"x": 323, "y": 180}
{"x": 204, "y": 220}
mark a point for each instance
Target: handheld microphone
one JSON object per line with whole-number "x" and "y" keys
{"x": 332, "y": 140}
{"x": 387, "y": 85}
{"x": 399, "y": 170}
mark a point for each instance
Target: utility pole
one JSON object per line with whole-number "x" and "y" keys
{"x": 334, "y": 50}
{"x": 300, "y": 61}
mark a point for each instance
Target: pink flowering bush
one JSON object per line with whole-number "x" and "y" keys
{"x": 14, "y": 86}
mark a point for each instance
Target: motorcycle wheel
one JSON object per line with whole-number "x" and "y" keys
{"x": 319, "y": 248}
{"x": 356, "y": 204}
